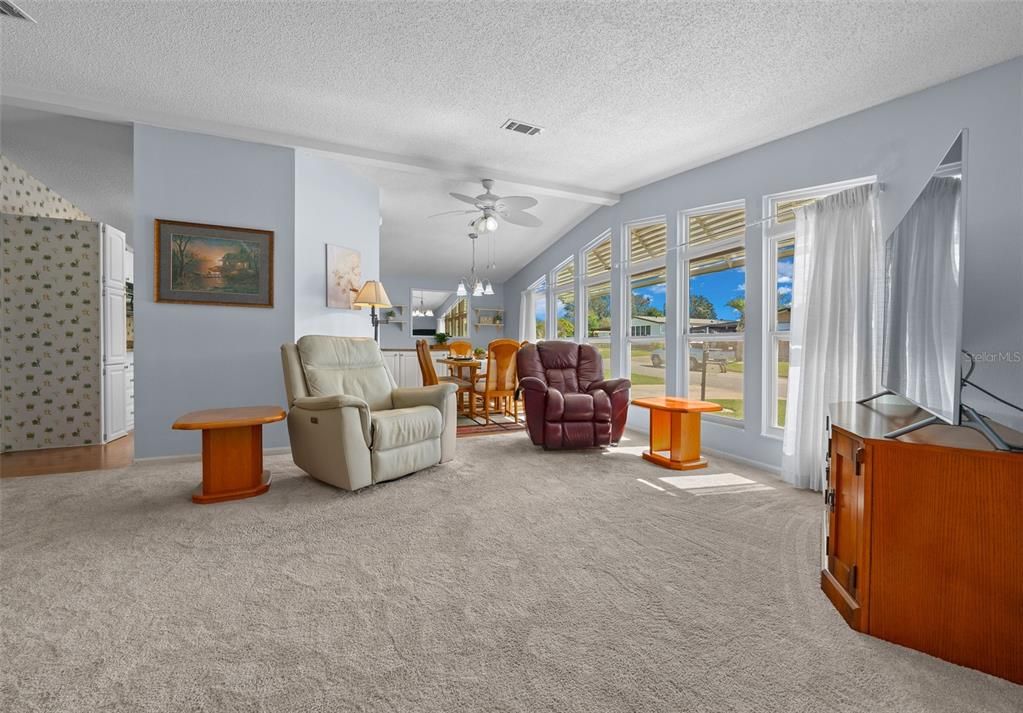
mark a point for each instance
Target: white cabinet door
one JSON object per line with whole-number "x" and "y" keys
{"x": 411, "y": 376}
{"x": 115, "y": 331}
{"x": 129, "y": 406}
{"x": 392, "y": 360}
{"x": 114, "y": 248}
{"x": 115, "y": 407}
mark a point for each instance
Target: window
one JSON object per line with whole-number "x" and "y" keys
{"x": 780, "y": 248}
{"x": 564, "y": 299}
{"x": 597, "y": 293}
{"x": 456, "y": 320}
{"x": 713, "y": 265}
{"x": 648, "y": 246}
{"x": 540, "y": 309}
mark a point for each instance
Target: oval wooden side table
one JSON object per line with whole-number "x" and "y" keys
{"x": 232, "y": 451}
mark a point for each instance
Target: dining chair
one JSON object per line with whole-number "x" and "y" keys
{"x": 498, "y": 384}
{"x": 460, "y": 349}
{"x": 430, "y": 377}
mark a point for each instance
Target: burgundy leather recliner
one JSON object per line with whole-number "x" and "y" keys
{"x": 569, "y": 404}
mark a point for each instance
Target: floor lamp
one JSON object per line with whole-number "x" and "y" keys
{"x": 372, "y": 295}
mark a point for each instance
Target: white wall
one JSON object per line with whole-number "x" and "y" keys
{"x": 88, "y": 162}
{"x": 332, "y": 205}
{"x": 901, "y": 142}
{"x": 190, "y": 357}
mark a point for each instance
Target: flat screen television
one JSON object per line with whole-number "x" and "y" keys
{"x": 923, "y": 312}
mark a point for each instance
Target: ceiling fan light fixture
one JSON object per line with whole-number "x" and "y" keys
{"x": 488, "y": 289}
{"x": 477, "y": 290}
{"x": 461, "y": 291}
{"x": 428, "y": 313}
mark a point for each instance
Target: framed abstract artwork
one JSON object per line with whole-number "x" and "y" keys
{"x": 196, "y": 263}
{"x": 344, "y": 276}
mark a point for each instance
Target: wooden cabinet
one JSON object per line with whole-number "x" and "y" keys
{"x": 924, "y": 543}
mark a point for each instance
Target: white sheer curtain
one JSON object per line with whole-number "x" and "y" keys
{"x": 527, "y": 316}
{"x": 837, "y": 301}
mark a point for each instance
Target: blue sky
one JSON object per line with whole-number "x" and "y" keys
{"x": 718, "y": 287}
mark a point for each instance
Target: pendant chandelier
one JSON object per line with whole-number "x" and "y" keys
{"x": 474, "y": 283}
{"x": 421, "y": 311}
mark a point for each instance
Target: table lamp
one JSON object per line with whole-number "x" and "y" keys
{"x": 372, "y": 295}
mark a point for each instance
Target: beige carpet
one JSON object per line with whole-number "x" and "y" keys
{"x": 510, "y": 580}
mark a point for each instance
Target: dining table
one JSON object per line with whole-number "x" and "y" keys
{"x": 457, "y": 368}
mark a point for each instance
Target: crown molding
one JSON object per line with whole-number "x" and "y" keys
{"x": 28, "y": 98}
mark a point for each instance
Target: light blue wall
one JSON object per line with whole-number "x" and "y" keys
{"x": 901, "y": 142}
{"x": 190, "y": 357}
{"x": 332, "y": 205}
{"x": 399, "y": 289}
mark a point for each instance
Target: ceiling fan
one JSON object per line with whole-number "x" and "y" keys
{"x": 492, "y": 206}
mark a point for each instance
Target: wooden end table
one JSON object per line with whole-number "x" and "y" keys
{"x": 675, "y": 427}
{"x": 232, "y": 451}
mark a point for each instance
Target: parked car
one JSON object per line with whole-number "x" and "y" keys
{"x": 718, "y": 357}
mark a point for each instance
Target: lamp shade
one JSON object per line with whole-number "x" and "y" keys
{"x": 372, "y": 294}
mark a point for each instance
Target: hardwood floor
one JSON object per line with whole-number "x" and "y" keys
{"x": 116, "y": 454}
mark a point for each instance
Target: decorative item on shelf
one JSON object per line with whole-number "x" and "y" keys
{"x": 440, "y": 338}
{"x": 479, "y": 352}
{"x": 499, "y": 318}
{"x": 373, "y": 295}
{"x": 344, "y": 275}
{"x": 486, "y": 319}
{"x": 390, "y": 314}
{"x": 204, "y": 264}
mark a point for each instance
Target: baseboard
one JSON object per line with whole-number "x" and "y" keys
{"x": 190, "y": 457}
{"x": 747, "y": 461}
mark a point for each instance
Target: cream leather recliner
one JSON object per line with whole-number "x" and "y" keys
{"x": 350, "y": 425}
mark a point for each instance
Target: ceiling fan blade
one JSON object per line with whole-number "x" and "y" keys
{"x": 451, "y": 212}
{"x": 516, "y": 202}
{"x": 464, "y": 198}
{"x": 520, "y": 217}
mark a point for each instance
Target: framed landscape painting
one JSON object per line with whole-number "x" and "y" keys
{"x": 204, "y": 264}
{"x": 344, "y": 276}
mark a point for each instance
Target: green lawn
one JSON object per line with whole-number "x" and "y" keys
{"x": 733, "y": 408}
{"x": 738, "y": 367}
{"x": 644, "y": 380}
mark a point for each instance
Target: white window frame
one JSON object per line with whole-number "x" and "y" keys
{"x": 556, "y": 292}
{"x": 685, "y": 255}
{"x": 546, "y": 297}
{"x": 584, "y": 282}
{"x": 630, "y": 268}
{"x": 774, "y": 234}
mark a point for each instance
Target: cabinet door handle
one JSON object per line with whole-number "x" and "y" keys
{"x": 859, "y": 458}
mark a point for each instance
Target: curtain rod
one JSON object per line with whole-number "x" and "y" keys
{"x": 880, "y": 188}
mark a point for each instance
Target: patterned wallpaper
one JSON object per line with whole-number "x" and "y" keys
{"x": 22, "y": 194}
{"x": 50, "y": 369}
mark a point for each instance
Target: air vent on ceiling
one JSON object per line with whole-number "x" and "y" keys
{"x": 9, "y": 9}
{"x": 520, "y": 127}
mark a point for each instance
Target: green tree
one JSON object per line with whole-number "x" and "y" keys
{"x": 739, "y": 305}
{"x": 701, "y": 308}
{"x": 643, "y": 306}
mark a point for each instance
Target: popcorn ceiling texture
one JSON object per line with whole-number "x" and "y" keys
{"x": 628, "y": 91}
{"x": 508, "y": 580}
